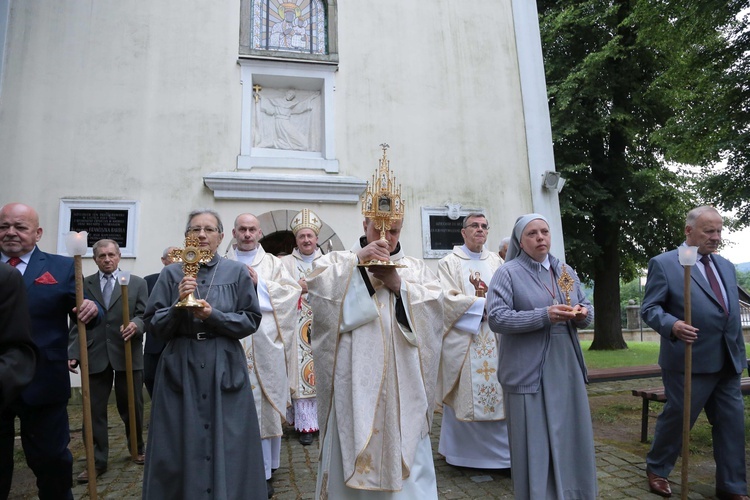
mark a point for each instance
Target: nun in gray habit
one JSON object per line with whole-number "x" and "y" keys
{"x": 541, "y": 367}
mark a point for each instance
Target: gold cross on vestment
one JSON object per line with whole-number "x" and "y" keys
{"x": 486, "y": 371}
{"x": 256, "y": 91}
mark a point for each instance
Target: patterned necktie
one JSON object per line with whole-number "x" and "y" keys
{"x": 14, "y": 261}
{"x": 108, "y": 287}
{"x": 713, "y": 281}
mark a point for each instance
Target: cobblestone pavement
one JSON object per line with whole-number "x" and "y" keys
{"x": 621, "y": 475}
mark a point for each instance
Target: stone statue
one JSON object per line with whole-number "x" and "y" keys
{"x": 287, "y": 119}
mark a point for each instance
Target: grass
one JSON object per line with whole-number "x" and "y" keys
{"x": 637, "y": 353}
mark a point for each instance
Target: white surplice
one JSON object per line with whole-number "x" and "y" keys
{"x": 278, "y": 294}
{"x": 474, "y": 432}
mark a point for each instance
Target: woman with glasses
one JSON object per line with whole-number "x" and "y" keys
{"x": 203, "y": 438}
{"x": 536, "y": 303}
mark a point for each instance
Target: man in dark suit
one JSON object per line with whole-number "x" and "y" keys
{"x": 17, "y": 351}
{"x": 153, "y": 347}
{"x": 718, "y": 355}
{"x": 41, "y": 407}
{"x": 106, "y": 351}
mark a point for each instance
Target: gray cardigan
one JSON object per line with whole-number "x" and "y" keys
{"x": 517, "y": 305}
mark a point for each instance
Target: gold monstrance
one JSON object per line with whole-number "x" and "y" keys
{"x": 382, "y": 203}
{"x": 565, "y": 282}
{"x": 192, "y": 256}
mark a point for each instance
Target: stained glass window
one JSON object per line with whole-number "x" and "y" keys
{"x": 294, "y": 26}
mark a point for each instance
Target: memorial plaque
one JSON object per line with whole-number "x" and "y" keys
{"x": 445, "y": 233}
{"x": 441, "y": 228}
{"x": 101, "y": 224}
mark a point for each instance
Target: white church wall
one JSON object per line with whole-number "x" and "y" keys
{"x": 132, "y": 101}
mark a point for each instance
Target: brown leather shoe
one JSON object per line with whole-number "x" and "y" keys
{"x": 658, "y": 485}
{"x": 140, "y": 459}
{"x": 723, "y": 495}
{"x": 83, "y": 477}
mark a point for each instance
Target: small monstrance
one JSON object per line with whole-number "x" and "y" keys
{"x": 382, "y": 203}
{"x": 191, "y": 256}
{"x": 565, "y": 282}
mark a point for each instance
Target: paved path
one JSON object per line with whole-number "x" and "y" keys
{"x": 621, "y": 474}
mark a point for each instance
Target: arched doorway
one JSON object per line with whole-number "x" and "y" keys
{"x": 278, "y": 237}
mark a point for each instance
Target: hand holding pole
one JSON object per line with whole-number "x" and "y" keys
{"x": 688, "y": 256}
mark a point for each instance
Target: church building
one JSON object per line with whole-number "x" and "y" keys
{"x": 121, "y": 117}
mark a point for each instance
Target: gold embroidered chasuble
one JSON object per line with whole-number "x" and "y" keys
{"x": 300, "y": 364}
{"x": 380, "y": 377}
{"x": 265, "y": 350}
{"x": 468, "y": 361}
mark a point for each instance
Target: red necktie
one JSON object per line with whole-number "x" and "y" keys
{"x": 713, "y": 281}
{"x": 14, "y": 261}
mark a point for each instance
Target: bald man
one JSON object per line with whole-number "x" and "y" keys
{"x": 278, "y": 295}
{"x": 41, "y": 407}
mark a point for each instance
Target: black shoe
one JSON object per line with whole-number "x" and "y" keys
{"x": 306, "y": 438}
{"x": 269, "y": 486}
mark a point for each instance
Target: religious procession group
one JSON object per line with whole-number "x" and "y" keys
{"x": 391, "y": 343}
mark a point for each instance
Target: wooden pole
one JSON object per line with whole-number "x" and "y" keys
{"x": 129, "y": 376}
{"x": 88, "y": 435}
{"x": 688, "y": 391}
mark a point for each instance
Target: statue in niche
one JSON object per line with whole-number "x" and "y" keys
{"x": 287, "y": 119}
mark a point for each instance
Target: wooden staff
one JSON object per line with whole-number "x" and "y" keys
{"x": 688, "y": 389}
{"x": 88, "y": 435}
{"x": 129, "y": 373}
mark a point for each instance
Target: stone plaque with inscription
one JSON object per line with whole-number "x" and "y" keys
{"x": 101, "y": 224}
{"x": 441, "y": 229}
{"x": 445, "y": 233}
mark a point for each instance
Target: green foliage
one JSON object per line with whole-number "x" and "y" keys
{"x": 630, "y": 291}
{"x": 743, "y": 279}
{"x": 640, "y": 94}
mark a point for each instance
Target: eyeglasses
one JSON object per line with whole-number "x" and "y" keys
{"x": 209, "y": 230}
{"x": 476, "y": 225}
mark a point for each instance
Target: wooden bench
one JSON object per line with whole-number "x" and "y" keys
{"x": 657, "y": 394}
{"x": 623, "y": 373}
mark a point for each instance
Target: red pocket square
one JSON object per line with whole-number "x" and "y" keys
{"x": 46, "y": 279}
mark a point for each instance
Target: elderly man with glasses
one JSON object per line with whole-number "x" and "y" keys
{"x": 474, "y": 432}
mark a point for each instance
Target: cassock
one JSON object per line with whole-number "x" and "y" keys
{"x": 300, "y": 365}
{"x": 375, "y": 377}
{"x": 278, "y": 294}
{"x": 474, "y": 432}
{"x": 203, "y": 439}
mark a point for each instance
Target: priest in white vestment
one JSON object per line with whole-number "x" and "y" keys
{"x": 304, "y": 411}
{"x": 278, "y": 294}
{"x": 376, "y": 339}
{"x": 474, "y": 432}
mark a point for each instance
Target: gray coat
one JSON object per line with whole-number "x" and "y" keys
{"x": 204, "y": 440}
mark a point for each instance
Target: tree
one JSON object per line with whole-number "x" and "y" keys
{"x": 623, "y": 78}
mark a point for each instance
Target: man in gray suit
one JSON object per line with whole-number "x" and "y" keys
{"x": 718, "y": 355}
{"x": 106, "y": 350}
